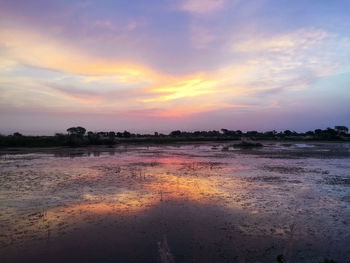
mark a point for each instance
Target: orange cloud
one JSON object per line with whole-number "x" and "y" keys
{"x": 36, "y": 50}
{"x": 177, "y": 88}
{"x": 173, "y": 96}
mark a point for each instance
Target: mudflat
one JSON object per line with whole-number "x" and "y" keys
{"x": 193, "y": 202}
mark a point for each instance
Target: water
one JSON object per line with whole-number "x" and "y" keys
{"x": 204, "y": 202}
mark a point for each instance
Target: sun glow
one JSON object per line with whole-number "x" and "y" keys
{"x": 114, "y": 68}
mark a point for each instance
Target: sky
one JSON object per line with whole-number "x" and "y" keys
{"x": 161, "y": 65}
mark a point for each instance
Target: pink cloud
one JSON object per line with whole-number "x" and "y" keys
{"x": 201, "y": 6}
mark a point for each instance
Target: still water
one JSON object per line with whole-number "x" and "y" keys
{"x": 203, "y": 202}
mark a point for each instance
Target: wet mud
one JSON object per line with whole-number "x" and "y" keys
{"x": 202, "y": 202}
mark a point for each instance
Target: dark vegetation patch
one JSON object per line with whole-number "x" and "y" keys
{"x": 110, "y": 169}
{"x": 334, "y": 151}
{"x": 346, "y": 198}
{"x": 337, "y": 180}
{"x": 145, "y": 164}
{"x": 267, "y": 179}
{"x": 291, "y": 169}
{"x": 202, "y": 165}
{"x": 284, "y": 169}
{"x": 246, "y": 144}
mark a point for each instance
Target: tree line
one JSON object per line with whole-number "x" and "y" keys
{"x": 78, "y": 136}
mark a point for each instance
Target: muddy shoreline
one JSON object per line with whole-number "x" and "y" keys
{"x": 124, "y": 145}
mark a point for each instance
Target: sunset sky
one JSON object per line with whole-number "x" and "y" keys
{"x": 151, "y": 65}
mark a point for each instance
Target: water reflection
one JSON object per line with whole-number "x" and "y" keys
{"x": 71, "y": 154}
{"x": 80, "y": 154}
{"x": 197, "y": 200}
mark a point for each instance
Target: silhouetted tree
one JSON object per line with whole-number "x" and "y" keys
{"x": 318, "y": 132}
{"x": 310, "y": 133}
{"x": 331, "y": 132}
{"x": 227, "y": 132}
{"x": 270, "y": 133}
{"x": 224, "y": 131}
{"x": 76, "y": 135}
{"x": 175, "y": 133}
{"x": 252, "y": 133}
{"x": 341, "y": 129}
{"x": 197, "y": 133}
{"x": 111, "y": 134}
{"x": 76, "y": 130}
{"x": 102, "y": 134}
{"x": 92, "y": 137}
{"x": 287, "y": 133}
{"x": 126, "y": 134}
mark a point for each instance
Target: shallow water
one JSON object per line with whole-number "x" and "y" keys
{"x": 203, "y": 202}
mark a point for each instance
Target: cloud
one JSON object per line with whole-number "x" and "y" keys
{"x": 258, "y": 68}
{"x": 84, "y": 78}
{"x": 201, "y": 6}
{"x": 285, "y": 43}
{"x": 109, "y": 25}
{"x": 188, "y": 86}
{"x": 292, "y": 60}
{"x": 201, "y": 37}
{"x": 36, "y": 50}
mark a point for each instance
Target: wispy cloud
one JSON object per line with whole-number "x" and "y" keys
{"x": 283, "y": 43}
{"x": 270, "y": 67}
{"x": 40, "y": 51}
{"x": 293, "y": 59}
{"x": 201, "y": 6}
